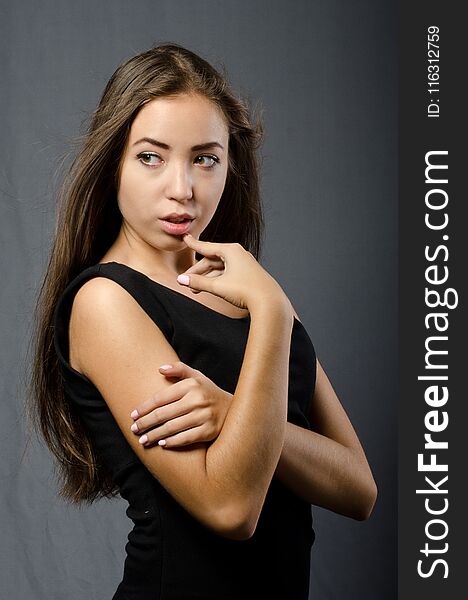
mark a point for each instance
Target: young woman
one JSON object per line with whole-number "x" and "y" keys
{"x": 170, "y": 366}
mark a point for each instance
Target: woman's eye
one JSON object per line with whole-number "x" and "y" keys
{"x": 145, "y": 158}
{"x": 214, "y": 160}
{"x": 151, "y": 160}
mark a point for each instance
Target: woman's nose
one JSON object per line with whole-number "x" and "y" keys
{"x": 179, "y": 182}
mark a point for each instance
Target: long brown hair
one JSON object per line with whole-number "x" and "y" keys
{"x": 88, "y": 221}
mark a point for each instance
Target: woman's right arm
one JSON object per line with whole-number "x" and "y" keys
{"x": 119, "y": 348}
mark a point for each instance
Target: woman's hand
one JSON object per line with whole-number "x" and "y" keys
{"x": 231, "y": 272}
{"x": 191, "y": 410}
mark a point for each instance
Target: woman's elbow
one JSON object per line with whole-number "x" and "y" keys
{"x": 241, "y": 532}
{"x": 236, "y": 523}
{"x": 367, "y": 500}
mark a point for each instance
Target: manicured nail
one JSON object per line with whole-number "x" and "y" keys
{"x": 183, "y": 279}
{"x": 134, "y": 427}
{"x": 135, "y": 414}
{"x": 162, "y": 442}
{"x": 143, "y": 439}
{"x": 165, "y": 367}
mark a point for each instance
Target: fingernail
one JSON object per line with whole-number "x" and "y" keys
{"x": 134, "y": 427}
{"x": 183, "y": 279}
{"x": 135, "y": 414}
{"x": 162, "y": 442}
{"x": 143, "y": 439}
{"x": 165, "y": 367}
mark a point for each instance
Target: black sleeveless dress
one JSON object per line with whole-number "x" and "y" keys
{"x": 170, "y": 555}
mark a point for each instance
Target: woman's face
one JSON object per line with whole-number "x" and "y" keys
{"x": 163, "y": 171}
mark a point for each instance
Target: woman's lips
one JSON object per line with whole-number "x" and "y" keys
{"x": 175, "y": 228}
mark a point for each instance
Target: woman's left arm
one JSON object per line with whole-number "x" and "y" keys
{"x": 328, "y": 466}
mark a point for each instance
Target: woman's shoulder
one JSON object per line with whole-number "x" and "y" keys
{"x": 100, "y": 293}
{"x": 111, "y": 282}
{"x": 99, "y": 290}
{"x": 111, "y": 298}
{"x": 102, "y": 307}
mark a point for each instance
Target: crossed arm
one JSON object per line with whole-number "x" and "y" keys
{"x": 223, "y": 484}
{"x": 326, "y": 467}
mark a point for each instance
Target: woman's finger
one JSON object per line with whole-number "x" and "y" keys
{"x": 162, "y": 414}
{"x": 210, "y": 269}
{"x": 209, "y": 249}
{"x": 185, "y": 438}
{"x": 172, "y": 427}
{"x": 207, "y": 267}
{"x": 177, "y": 370}
{"x": 165, "y": 396}
{"x": 204, "y": 266}
{"x": 214, "y": 273}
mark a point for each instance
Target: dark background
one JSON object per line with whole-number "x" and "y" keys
{"x": 325, "y": 72}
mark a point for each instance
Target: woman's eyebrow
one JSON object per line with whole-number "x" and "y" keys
{"x": 167, "y": 147}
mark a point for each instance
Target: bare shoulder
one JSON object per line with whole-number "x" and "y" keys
{"x": 109, "y": 331}
{"x": 97, "y": 297}
{"x": 100, "y": 307}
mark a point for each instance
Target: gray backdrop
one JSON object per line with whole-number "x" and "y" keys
{"x": 325, "y": 72}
